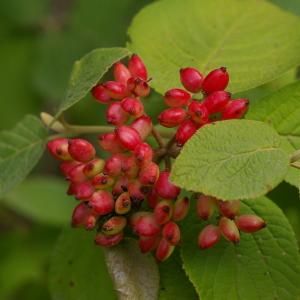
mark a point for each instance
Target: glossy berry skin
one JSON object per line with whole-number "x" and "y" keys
{"x": 120, "y": 186}
{"x": 164, "y": 188}
{"x": 143, "y": 125}
{"x": 83, "y": 190}
{"x": 76, "y": 174}
{"x": 102, "y": 202}
{"x": 143, "y": 153}
{"x": 114, "y": 225}
{"x": 146, "y": 226}
{"x": 249, "y": 223}
{"x": 59, "y": 149}
{"x": 163, "y": 211}
{"x": 138, "y": 87}
{"x": 113, "y": 165}
{"x": 229, "y": 230}
{"x": 216, "y": 101}
{"x": 116, "y": 90}
{"x": 164, "y": 250}
{"x": 109, "y": 142}
{"x": 134, "y": 189}
{"x": 171, "y": 233}
{"x": 93, "y": 167}
{"x": 130, "y": 167}
{"x": 123, "y": 204}
{"x": 128, "y": 137}
{"x": 132, "y": 106}
{"x": 235, "y": 109}
{"x": 81, "y": 150}
{"x": 121, "y": 73}
{"x": 185, "y": 131}
{"x": 137, "y": 67}
{"x": 209, "y": 236}
{"x": 83, "y": 216}
{"x": 205, "y": 207}
{"x": 172, "y": 117}
{"x": 66, "y": 166}
{"x": 148, "y": 244}
{"x": 101, "y": 182}
{"x": 229, "y": 209}
{"x": 148, "y": 175}
{"x": 191, "y": 79}
{"x": 180, "y": 209}
{"x": 198, "y": 112}
{"x": 115, "y": 114}
{"x": 100, "y": 94}
{"x": 177, "y": 98}
{"x": 108, "y": 240}
{"x": 216, "y": 80}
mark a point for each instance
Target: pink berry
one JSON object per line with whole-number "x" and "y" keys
{"x": 229, "y": 230}
{"x": 115, "y": 114}
{"x": 171, "y": 233}
{"x": 235, "y": 109}
{"x": 100, "y": 94}
{"x": 101, "y": 182}
{"x": 216, "y": 101}
{"x": 137, "y": 67}
{"x": 128, "y": 137}
{"x": 81, "y": 150}
{"x": 143, "y": 125}
{"x": 116, "y": 90}
{"x": 172, "y": 117}
{"x": 102, "y": 202}
{"x": 146, "y": 226}
{"x": 113, "y": 165}
{"x": 229, "y": 209}
{"x": 165, "y": 188}
{"x": 130, "y": 167}
{"x": 152, "y": 199}
{"x": 185, "y": 131}
{"x": 198, "y": 112}
{"x": 205, "y": 207}
{"x": 209, "y": 236}
{"x": 134, "y": 189}
{"x": 133, "y": 106}
{"x": 191, "y": 79}
{"x": 120, "y": 186}
{"x": 59, "y": 149}
{"x": 83, "y": 216}
{"x": 181, "y": 209}
{"x": 66, "y": 166}
{"x": 143, "y": 153}
{"x": 109, "y": 142}
{"x": 121, "y": 73}
{"x": 148, "y": 244}
{"x": 94, "y": 167}
{"x": 250, "y": 223}
{"x": 163, "y": 211}
{"x": 177, "y": 98}
{"x": 142, "y": 88}
{"x": 76, "y": 174}
{"x": 83, "y": 190}
{"x": 149, "y": 173}
{"x": 108, "y": 240}
{"x": 216, "y": 80}
{"x": 164, "y": 250}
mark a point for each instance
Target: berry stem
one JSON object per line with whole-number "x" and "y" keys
{"x": 158, "y": 137}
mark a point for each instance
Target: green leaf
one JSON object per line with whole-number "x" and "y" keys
{"x": 42, "y": 199}
{"x": 232, "y": 160}
{"x": 78, "y": 270}
{"x": 264, "y": 265}
{"x": 282, "y": 111}
{"x": 135, "y": 274}
{"x": 174, "y": 283}
{"x": 88, "y": 71}
{"x": 20, "y": 150}
{"x": 256, "y": 40}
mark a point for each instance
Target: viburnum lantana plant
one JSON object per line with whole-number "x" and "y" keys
{"x": 130, "y": 192}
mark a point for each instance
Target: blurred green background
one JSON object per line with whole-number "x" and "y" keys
{"x": 39, "y": 41}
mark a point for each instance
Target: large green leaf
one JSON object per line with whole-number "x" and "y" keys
{"x": 264, "y": 265}
{"x": 42, "y": 199}
{"x": 255, "y": 39}
{"x": 88, "y": 71}
{"x": 236, "y": 159}
{"x": 282, "y": 111}
{"x": 20, "y": 150}
{"x": 78, "y": 270}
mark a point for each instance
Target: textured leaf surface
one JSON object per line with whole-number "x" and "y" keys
{"x": 42, "y": 199}
{"x": 282, "y": 111}
{"x": 135, "y": 275}
{"x": 264, "y": 265}
{"x": 234, "y": 159}
{"x": 256, "y": 40}
{"x": 20, "y": 150}
{"x": 78, "y": 270}
{"x": 88, "y": 71}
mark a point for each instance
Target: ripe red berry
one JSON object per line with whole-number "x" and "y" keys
{"x": 120, "y": 186}
{"x": 137, "y": 67}
{"x": 81, "y": 150}
{"x": 83, "y": 216}
{"x": 146, "y": 225}
{"x": 191, "y": 79}
{"x": 152, "y": 199}
{"x": 128, "y": 137}
{"x": 181, "y": 209}
{"x": 149, "y": 173}
{"x": 94, "y": 167}
{"x": 172, "y": 117}
{"x": 101, "y": 182}
{"x": 102, "y": 202}
{"x": 100, "y": 94}
{"x": 163, "y": 211}
{"x": 59, "y": 149}
{"x": 205, "y": 206}
{"x": 76, "y": 174}
{"x": 123, "y": 204}
{"x": 209, "y": 236}
{"x": 229, "y": 230}
{"x": 132, "y": 106}
{"x": 83, "y": 190}
{"x": 164, "y": 250}
{"x": 235, "y": 109}
{"x": 66, "y": 166}
{"x": 116, "y": 90}
{"x": 114, "y": 225}
{"x": 108, "y": 240}
{"x": 198, "y": 112}
{"x": 130, "y": 167}
{"x": 134, "y": 188}
{"x": 171, "y": 233}
{"x": 109, "y": 142}
{"x": 216, "y": 80}
{"x": 165, "y": 188}
{"x": 142, "y": 88}
{"x": 116, "y": 115}
{"x": 113, "y": 165}
{"x": 229, "y": 209}
{"x": 143, "y": 125}
{"x": 177, "y": 98}
{"x": 143, "y": 153}
{"x": 249, "y": 223}
{"x": 216, "y": 101}
{"x": 121, "y": 73}
{"x": 148, "y": 244}
{"x": 185, "y": 131}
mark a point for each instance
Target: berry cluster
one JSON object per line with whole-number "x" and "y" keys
{"x": 189, "y": 114}
{"x": 230, "y": 222}
{"x": 112, "y": 191}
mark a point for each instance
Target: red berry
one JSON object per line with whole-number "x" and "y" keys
{"x": 143, "y": 125}
{"x": 66, "y": 166}
{"x": 109, "y": 142}
{"x": 133, "y": 106}
{"x": 128, "y": 137}
{"x": 146, "y": 225}
{"x": 185, "y": 131}
{"x": 152, "y": 199}
{"x": 249, "y": 223}
{"x": 165, "y": 188}
{"x": 94, "y": 167}
{"x": 116, "y": 90}
{"x": 120, "y": 186}
{"x": 83, "y": 190}
{"x": 81, "y": 150}
{"x": 101, "y": 182}
{"x": 134, "y": 218}
{"x": 209, "y": 236}
{"x": 143, "y": 153}
{"x": 142, "y": 88}
{"x": 59, "y": 148}
{"x": 216, "y": 80}
{"x": 100, "y": 94}
{"x": 76, "y": 174}
{"x": 229, "y": 209}
{"x": 172, "y": 117}
{"x": 229, "y": 230}
{"x": 137, "y": 67}
{"x": 113, "y": 165}
{"x": 177, "y": 97}
{"x": 134, "y": 189}
{"x": 130, "y": 167}
{"x": 123, "y": 204}
{"x": 181, "y": 209}
{"x": 205, "y": 206}
{"x": 148, "y": 244}
{"x": 115, "y": 114}
{"x": 216, "y": 101}
{"x": 83, "y": 216}
{"x": 171, "y": 233}
{"x": 198, "y": 112}
{"x": 235, "y": 109}
{"x": 164, "y": 250}
{"x": 121, "y": 73}
{"x": 114, "y": 225}
{"x": 191, "y": 79}
{"x": 149, "y": 174}
{"x": 108, "y": 240}
{"x": 102, "y": 202}
{"x": 163, "y": 211}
